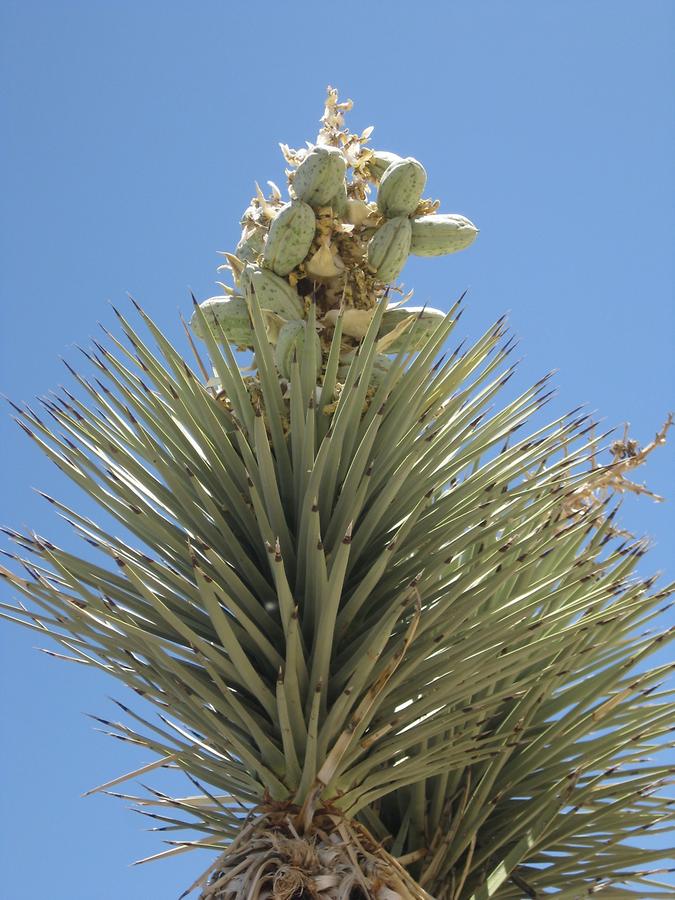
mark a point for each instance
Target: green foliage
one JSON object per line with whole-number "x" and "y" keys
{"x": 374, "y": 596}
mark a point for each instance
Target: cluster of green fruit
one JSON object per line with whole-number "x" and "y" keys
{"x": 400, "y": 191}
{"x": 285, "y": 246}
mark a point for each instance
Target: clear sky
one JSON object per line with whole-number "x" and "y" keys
{"x": 133, "y": 133}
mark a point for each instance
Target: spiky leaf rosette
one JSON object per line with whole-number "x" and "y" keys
{"x": 373, "y": 618}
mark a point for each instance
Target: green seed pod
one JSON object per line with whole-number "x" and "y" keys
{"x": 250, "y": 245}
{"x": 424, "y": 323}
{"x": 438, "y": 235}
{"x": 401, "y": 188}
{"x": 381, "y": 366}
{"x": 229, "y": 314}
{"x": 379, "y": 162}
{"x": 380, "y": 370}
{"x": 319, "y": 176}
{"x": 389, "y": 247}
{"x": 290, "y": 237}
{"x": 339, "y": 201}
{"x": 290, "y": 344}
{"x": 274, "y": 293}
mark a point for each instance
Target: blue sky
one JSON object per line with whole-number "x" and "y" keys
{"x": 134, "y": 133}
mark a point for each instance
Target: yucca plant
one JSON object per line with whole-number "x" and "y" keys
{"x": 398, "y": 648}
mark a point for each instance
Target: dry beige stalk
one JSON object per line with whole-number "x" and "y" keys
{"x": 605, "y": 481}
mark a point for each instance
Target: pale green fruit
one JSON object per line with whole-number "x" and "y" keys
{"x": 380, "y": 161}
{"x": 229, "y": 314}
{"x": 381, "y": 366}
{"x": 425, "y": 321}
{"x": 340, "y": 201}
{"x": 250, "y": 245}
{"x": 290, "y": 344}
{"x": 290, "y": 237}
{"x": 441, "y": 234}
{"x": 274, "y": 293}
{"x": 401, "y": 188}
{"x": 319, "y": 176}
{"x": 389, "y": 247}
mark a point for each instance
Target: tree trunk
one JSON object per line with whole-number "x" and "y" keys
{"x": 274, "y": 858}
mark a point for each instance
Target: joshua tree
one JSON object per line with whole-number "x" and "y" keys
{"x": 396, "y": 643}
